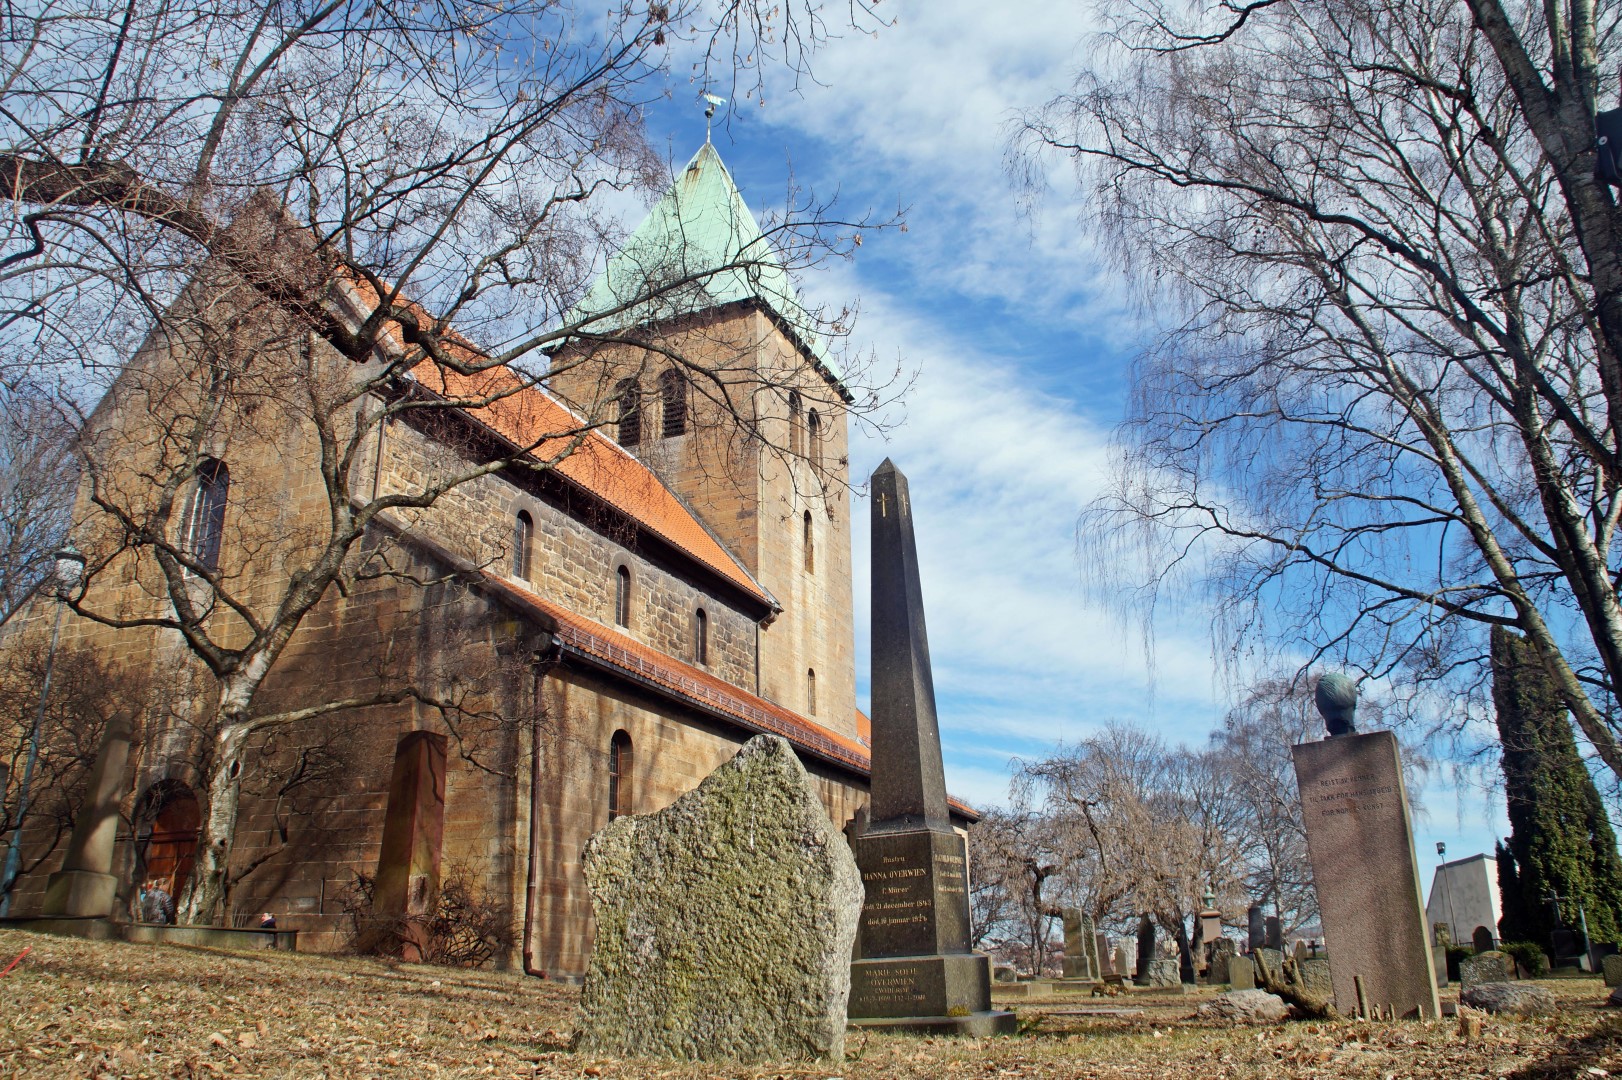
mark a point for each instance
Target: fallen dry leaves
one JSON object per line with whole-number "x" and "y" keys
{"x": 102, "y": 1010}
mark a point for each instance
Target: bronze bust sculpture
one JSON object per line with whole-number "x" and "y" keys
{"x": 1336, "y": 698}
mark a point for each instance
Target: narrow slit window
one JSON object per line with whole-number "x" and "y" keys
{"x": 811, "y": 692}
{"x": 630, "y": 414}
{"x": 813, "y": 431}
{"x": 810, "y": 546}
{"x": 619, "y": 775}
{"x": 622, "y": 596}
{"x": 673, "y": 393}
{"x": 205, "y": 516}
{"x": 523, "y": 536}
{"x": 796, "y": 425}
{"x": 701, "y": 637}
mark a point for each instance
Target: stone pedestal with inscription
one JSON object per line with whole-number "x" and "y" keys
{"x": 1360, "y": 841}
{"x": 915, "y": 970}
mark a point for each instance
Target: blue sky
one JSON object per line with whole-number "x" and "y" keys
{"x": 1022, "y": 335}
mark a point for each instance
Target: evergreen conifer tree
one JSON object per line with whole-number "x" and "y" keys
{"x": 1560, "y": 841}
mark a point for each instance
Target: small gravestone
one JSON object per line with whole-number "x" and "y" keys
{"x": 1242, "y": 973}
{"x": 1315, "y": 977}
{"x": 1222, "y": 955}
{"x": 1245, "y": 1007}
{"x": 724, "y": 921}
{"x": 1354, "y": 805}
{"x": 1491, "y": 966}
{"x": 1273, "y": 959}
{"x": 1439, "y": 964}
{"x": 1164, "y": 973}
{"x": 1613, "y": 969}
{"x": 1121, "y": 961}
{"x": 1106, "y": 962}
{"x": 1515, "y": 999}
{"x": 1256, "y": 928}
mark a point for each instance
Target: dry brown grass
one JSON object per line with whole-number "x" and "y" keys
{"x": 86, "y": 1009}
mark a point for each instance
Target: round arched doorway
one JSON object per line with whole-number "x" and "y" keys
{"x": 169, "y": 849}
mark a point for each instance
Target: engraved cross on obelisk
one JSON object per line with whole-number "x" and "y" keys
{"x": 916, "y": 970}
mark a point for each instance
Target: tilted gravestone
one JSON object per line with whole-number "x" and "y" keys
{"x": 1106, "y": 963}
{"x": 1360, "y": 842}
{"x": 724, "y": 921}
{"x": 916, "y": 970}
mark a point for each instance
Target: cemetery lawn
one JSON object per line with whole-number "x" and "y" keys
{"x": 100, "y": 1010}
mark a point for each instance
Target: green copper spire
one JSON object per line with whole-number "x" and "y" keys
{"x": 699, "y": 248}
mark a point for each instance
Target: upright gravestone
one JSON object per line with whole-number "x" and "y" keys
{"x": 1242, "y": 972}
{"x": 1256, "y": 930}
{"x": 1360, "y": 842}
{"x": 1146, "y": 950}
{"x": 916, "y": 971}
{"x": 1273, "y": 938}
{"x": 1080, "y": 950}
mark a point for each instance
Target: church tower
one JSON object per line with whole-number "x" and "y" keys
{"x": 696, "y": 355}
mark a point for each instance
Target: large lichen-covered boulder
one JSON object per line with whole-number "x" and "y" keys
{"x": 724, "y": 922}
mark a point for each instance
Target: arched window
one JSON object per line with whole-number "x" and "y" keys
{"x": 523, "y": 535}
{"x": 619, "y": 775}
{"x": 630, "y": 417}
{"x": 813, "y": 430}
{"x": 811, "y": 692}
{"x": 796, "y": 424}
{"x": 622, "y": 595}
{"x": 810, "y": 546}
{"x": 673, "y": 393}
{"x": 205, "y": 517}
{"x": 701, "y": 637}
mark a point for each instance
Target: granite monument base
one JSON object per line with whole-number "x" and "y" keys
{"x": 1360, "y": 841}
{"x": 936, "y": 994}
{"x": 79, "y": 894}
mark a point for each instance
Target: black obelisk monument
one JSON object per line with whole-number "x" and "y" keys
{"x": 916, "y": 970}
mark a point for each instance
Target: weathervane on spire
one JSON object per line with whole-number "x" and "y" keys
{"x": 710, "y": 101}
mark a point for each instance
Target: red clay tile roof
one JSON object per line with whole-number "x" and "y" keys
{"x": 530, "y": 418}
{"x": 533, "y": 419}
{"x": 582, "y": 636}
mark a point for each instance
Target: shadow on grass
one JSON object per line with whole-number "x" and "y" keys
{"x": 1586, "y": 1056}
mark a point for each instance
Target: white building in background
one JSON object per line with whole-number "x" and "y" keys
{"x": 1464, "y": 895}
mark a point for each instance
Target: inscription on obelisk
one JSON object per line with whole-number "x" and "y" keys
{"x": 915, "y": 970}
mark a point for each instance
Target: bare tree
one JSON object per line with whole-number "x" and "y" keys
{"x": 1253, "y": 749}
{"x": 282, "y": 210}
{"x": 37, "y": 479}
{"x": 1147, "y": 828}
{"x": 1388, "y": 421}
{"x": 1018, "y": 878}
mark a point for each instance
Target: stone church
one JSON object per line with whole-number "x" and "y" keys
{"x": 628, "y": 618}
